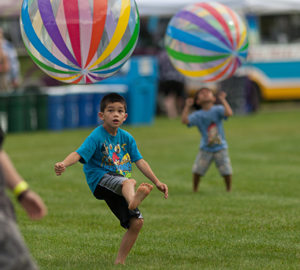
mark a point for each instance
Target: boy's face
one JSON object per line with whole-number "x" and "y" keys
{"x": 114, "y": 115}
{"x": 205, "y": 96}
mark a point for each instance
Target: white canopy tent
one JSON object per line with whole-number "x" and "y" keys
{"x": 12, "y": 8}
{"x": 170, "y": 7}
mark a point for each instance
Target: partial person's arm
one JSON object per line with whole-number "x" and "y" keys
{"x": 222, "y": 97}
{"x": 30, "y": 201}
{"x": 144, "y": 167}
{"x": 71, "y": 159}
{"x": 186, "y": 111}
{"x": 5, "y": 61}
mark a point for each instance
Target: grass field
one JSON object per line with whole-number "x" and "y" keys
{"x": 257, "y": 226}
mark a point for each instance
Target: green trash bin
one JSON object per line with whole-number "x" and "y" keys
{"x": 42, "y": 112}
{"x": 30, "y": 112}
{"x": 3, "y": 112}
{"x": 15, "y": 113}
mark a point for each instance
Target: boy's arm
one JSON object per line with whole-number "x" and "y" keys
{"x": 71, "y": 159}
{"x": 144, "y": 167}
{"x": 222, "y": 98}
{"x": 186, "y": 111}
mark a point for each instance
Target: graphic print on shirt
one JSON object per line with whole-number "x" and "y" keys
{"x": 213, "y": 136}
{"x": 116, "y": 159}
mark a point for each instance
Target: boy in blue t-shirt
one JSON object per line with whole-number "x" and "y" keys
{"x": 213, "y": 145}
{"x": 107, "y": 154}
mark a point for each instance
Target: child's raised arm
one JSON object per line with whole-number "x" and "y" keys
{"x": 71, "y": 159}
{"x": 144, "y": 167}
{"x": 186, "y": 110}
{"x": 222, "y": 97}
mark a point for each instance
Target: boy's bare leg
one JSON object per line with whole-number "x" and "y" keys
{"x": 128, "y": 189}
{"x": 141, "y": 193}
{"x": 129, "y": 239}
{"x": 196, "y": 181}
{"x": 227, "y": 179}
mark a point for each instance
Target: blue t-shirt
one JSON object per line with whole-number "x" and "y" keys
{"x": 211, "y": 128}
{"x": 102, "y": 153}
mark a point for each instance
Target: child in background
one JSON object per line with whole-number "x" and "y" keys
{"x": 213, "y": 145}
{"x": 107, "y": 154}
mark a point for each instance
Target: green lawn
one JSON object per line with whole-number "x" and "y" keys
{"x": 257, "y": 226}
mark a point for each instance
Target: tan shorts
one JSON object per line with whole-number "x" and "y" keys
{"x": 204, "y": 159}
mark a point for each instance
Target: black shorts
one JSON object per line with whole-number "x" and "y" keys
{"x": 118, "y": 205}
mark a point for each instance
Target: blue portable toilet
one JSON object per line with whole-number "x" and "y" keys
{"x": 85, "y": 109}
{"x": 143, "y": 98}
{"x": 71, "y": 119}
{"x": 143, "y": 89}
{"x": 56, "y": 109}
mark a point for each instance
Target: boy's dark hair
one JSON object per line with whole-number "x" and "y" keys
{"x": 112, "y": 98}
{"x": 197, "y": 106}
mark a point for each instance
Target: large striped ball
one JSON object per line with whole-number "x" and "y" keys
{"x": 206, "y": 41}
{"x": 80, "y": 41}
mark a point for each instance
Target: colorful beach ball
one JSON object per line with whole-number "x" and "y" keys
{"x": 207, "y": 41}
{"x": 80, "y": 41}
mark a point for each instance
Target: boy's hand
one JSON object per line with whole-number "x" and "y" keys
{"x": 222, "y": 95}
{"x": 163, "y": 188}
{"x": 59, "y": 168}
{"x": 189, "y": 102}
